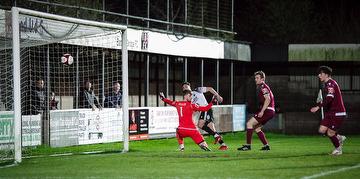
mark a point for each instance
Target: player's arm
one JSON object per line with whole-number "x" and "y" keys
{"x": 212, "y": 91}
{"x": 266, "y": 102}
{"x": 328, "y": 99}
{"x": 167, "y": 101}
{"x": 196, "y": 107}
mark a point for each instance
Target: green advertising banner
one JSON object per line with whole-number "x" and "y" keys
{"x": 30, "y": 129}
{"x": 6, "y": 127}
{"x": 324, "y": 52}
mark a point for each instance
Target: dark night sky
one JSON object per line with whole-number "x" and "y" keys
{"x": 297, "y": 21}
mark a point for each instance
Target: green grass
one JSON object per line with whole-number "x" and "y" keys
{"x": 290, "y": 157}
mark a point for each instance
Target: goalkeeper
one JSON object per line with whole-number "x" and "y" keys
{"x": 187, "y": 127}
{"x": 206, "y": 119}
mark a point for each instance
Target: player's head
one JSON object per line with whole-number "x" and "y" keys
{"x": 186, "y": 86}
{"x": 187, "y": 95}
{"x": 324, "y": 73}
{"x": 259, "y": 77}
{"x": 116, "y": 86}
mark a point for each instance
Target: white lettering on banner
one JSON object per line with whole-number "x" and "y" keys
{"x": 31, "y": 128}
{"x": 100, "y": 126}
{"x": 163, "y": 120}
{"x": 31, "y": 132}
{"x": 89, "y": 127}
{"x": 160, "y": 43}
{"x": 84, "y": 126}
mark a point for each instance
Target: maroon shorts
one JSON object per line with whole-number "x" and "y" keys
{"x": 193, "y": 134}
{"x": 332, "y": 122}
{"x": 268, "y": 114}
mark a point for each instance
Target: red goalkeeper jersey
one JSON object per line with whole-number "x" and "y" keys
{"x": 185, "y": 110}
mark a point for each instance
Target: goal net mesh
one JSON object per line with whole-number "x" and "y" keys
{"x": 50, "y": 112}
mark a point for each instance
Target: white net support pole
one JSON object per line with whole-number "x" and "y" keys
{"x": 125, "y": 91}
{"x": 16, "y": 83}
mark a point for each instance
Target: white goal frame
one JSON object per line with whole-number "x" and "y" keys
{"x": 15, "y": 11}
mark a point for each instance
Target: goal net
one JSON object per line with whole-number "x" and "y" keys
{"x": 63, "y": 82}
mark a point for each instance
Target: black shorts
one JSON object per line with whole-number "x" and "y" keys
{"x": 207, "y": 116}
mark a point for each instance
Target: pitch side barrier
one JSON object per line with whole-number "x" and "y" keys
{"x": 84, "y": 126}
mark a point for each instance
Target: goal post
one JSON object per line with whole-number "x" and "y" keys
{"x": 16, "y": 55}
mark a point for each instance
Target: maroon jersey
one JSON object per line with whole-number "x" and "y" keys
{"x": 264, "y": 90}
{"x": 185, "y": 110}
{"x": 333, "y": 103}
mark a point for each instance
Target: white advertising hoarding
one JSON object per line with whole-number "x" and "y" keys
{"x": 100, "y": 126}
{"x": 239, "y": 117}
{"x": 84, "y": 126}
{"x": 30, "y": 128}
{"x": 163, "y": 120}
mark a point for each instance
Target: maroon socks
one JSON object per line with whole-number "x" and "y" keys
{"x": 262, "y": 137}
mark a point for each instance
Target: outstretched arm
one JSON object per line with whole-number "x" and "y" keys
{"x": 167, "y": 101}
{"x": 215, "y": 93}
{"x": 201, "y": 108}
{"x": 196, "y": 107}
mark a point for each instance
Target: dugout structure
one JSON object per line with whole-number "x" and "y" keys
{"x": 32, "y": 44}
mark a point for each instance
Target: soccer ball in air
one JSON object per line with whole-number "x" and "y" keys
{"x": 67, "y": 59}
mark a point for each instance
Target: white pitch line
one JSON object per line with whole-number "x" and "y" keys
{"x": 94, "y": 152}
{"x": 59, "y": 155}
{"x": 331, "y": 172}
{"x": 7, "y": 166}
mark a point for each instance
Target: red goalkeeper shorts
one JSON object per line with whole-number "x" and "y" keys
{"x": 194, "y": 134}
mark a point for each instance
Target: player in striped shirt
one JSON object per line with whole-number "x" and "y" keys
{"x": 206, "y": 119}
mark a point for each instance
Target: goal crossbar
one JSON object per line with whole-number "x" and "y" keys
{"x": 16, "y": 70}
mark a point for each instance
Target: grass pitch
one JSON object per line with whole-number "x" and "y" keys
{"x": 290, "y": 157}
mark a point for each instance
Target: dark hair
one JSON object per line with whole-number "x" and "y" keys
{"x": 325, "y": 69}
{"x": 39, "y": 79}
{"x": 261, "y": 73}
{"x": 185, "y": 92}
{"x": 185, "y": 83}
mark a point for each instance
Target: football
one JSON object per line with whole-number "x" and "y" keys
{"x": 67, "y": 59}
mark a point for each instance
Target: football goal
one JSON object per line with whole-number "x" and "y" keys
{"x": 46, "y": 63}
